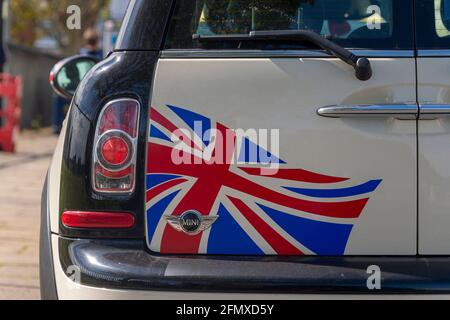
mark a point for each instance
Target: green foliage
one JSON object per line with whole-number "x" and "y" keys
{"x": 25, "y": 20}
{"x": 28, "y": 17}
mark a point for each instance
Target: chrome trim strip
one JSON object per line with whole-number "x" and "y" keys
{"x": 399, "y": 111}
{"x": 196, "y": 54}
{"x": 433, "y": 53}
{"x": 435, "y": 108}
{"x": 433, "y": 111}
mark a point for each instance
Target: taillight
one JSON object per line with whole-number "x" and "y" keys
{"x": 115, "y": 147}
{"x": 115, "y": 150}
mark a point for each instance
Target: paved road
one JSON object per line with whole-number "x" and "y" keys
{"x": 21, "y": 179}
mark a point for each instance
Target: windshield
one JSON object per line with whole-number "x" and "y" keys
{"x": 354, "y": 23}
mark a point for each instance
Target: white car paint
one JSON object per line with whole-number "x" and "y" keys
{"x": 285, "y": 93}
{"x": 434, "y": 159}
{"x": 54, "y": 180}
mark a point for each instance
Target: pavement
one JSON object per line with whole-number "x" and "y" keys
{"x": 22, "y": 177}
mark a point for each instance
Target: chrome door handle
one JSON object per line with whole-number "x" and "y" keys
{"x": 398, "y": 111}
{"x": 434, "y": 111}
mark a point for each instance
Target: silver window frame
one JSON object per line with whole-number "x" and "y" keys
{"x": 225, "y": 54}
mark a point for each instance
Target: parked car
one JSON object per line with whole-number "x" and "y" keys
{"x": 243, "y": 149}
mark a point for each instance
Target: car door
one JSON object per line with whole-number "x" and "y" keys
{"x": 433, "y": 72}
{"x": 313, "y": 161}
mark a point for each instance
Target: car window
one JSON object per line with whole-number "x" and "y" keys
{"x": 433, "y": 24}
{"x": 442, "y": 18}
{"x": 352, "y": 23}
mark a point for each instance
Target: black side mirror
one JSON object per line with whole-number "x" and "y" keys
{"x": 67, "y": 74}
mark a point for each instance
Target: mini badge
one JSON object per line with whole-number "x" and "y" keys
{"x": 191, "y": 222}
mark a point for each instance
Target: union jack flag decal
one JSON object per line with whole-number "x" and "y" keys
{"x": 289, "y": 212}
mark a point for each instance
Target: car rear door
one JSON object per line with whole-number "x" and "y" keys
{"x": 433, "y": 71}
{"x": 241, "y": 162}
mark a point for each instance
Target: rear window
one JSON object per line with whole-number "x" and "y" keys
{"x": 372, "y": 24}
{"x": 433, "y": 24}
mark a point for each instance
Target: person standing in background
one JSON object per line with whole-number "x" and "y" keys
{"x": 92, "y": 44}
{"x": 60, "y": 105}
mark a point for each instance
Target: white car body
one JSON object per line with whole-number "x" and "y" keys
{"x": 375, "y": 152}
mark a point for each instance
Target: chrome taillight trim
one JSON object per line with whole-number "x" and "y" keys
{"x": 134, "y": 141}
{"x": 131, "y": 143}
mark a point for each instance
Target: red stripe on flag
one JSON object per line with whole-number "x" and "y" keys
{"x": 201, "y": 197}
{"x": 276, "y": 241}
{"x": 160, "y": 119}
{"x": 346, "y": 209}
{"x": 293, "y": 175}
{"x": 152, "y": 193}
{"x": 160, "y": 162}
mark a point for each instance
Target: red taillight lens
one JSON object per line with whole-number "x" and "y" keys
{"x": 97, "y": 220}
{"x": 114, "y": 156}
{"x": 120, "y": 115}
{"x": 115, "y": 151}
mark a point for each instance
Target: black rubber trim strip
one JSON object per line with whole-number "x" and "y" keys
{"x": 126, "y": 264}
{"x": 46, "y": 270}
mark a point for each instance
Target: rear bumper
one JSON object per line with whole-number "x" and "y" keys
{"x": 127, "y": 266}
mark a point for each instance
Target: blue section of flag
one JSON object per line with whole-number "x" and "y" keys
{"x": 194, "y": 120}
{"x": 158, "y": 134}
{"x": 336, "y": 193}
{"x": 252, "y": 153}
{"x": 227, "y": 237}
{"x": 155, "y": 213}
{"x": 152, "y": 180}
{"x": 323, "y": 238}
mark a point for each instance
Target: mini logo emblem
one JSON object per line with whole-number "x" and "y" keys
{"x": 191, "y": 222}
